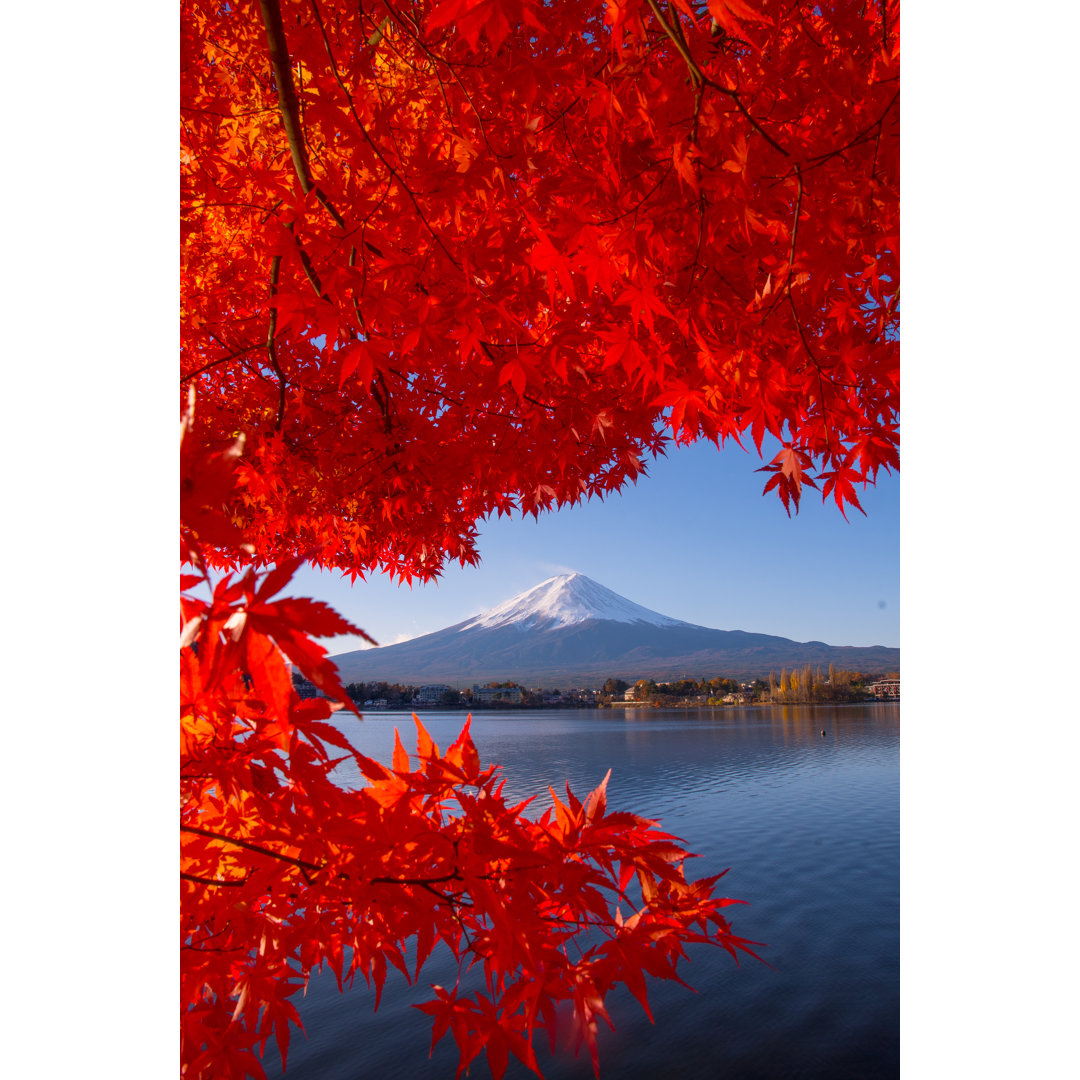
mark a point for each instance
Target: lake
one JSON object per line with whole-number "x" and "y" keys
{"x": 808, "y": 824}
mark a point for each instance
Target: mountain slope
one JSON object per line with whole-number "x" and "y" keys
{"x": 570, "y": 630}
{"x": 565, "y": 601}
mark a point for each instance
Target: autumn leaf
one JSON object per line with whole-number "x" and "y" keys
{"x": 787, "y": 470}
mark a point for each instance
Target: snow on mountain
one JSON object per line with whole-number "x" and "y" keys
{"x": 570, "y": 630}
{"x": 566, "y": 600}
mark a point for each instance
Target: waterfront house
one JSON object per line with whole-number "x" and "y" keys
{"x": 430, "y": 694}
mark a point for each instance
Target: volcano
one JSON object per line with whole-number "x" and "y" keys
{"x": 573, "y": 631}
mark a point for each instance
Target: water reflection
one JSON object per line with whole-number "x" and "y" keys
{"x": 809, "y": 825}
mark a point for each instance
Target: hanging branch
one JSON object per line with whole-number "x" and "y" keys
{"x": 699, "y": 78}
{"x": 286, "y": 89}
{"x": 289, "y": 106}
{"x": 271, "y": 348}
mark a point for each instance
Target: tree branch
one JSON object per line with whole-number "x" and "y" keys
{"x": 216, "y": 363}
{"x": 271, "y": 347}
{"x": 289, "y": 107}
{"x": 212, "y": 881}
{"x": 286, "y": 89}
{"x": 698, "y": 77}
{"x": 377, "y": 151}
{"x": 246, "y": 844}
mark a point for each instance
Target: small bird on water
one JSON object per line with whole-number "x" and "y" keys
{"x": 823, "y": 733}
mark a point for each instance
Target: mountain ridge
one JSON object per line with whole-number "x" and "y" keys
{"x": 567, "y": 599}
{"x": 571, "y": 630}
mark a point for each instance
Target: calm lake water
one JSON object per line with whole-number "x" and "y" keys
{"x": 809, "y": 826}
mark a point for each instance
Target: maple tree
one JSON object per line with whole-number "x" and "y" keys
{"x": 442, "y": 261}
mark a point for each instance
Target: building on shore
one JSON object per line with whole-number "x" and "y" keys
{"x": 506, "y": 694}
{"x": 430, "y": 694}
{"x": 887, "y": 689}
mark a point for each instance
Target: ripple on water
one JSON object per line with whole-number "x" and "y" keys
{"x": 809, "y": 826}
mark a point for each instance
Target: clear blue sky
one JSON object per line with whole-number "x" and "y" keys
{"x": 695, "y": 539}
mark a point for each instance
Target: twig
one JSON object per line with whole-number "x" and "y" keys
{"x": 858, "y": 138}
{"x": 216, "y": 363}
{"x": 305, "y": 262}
{"x": 374, "y": 146}
{"x": 795, "y": 313}
{"x": 698, "y": 78}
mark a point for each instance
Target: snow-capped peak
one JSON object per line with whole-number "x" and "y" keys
{"x": 565, "y": 600}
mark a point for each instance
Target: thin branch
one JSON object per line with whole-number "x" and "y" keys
{"x": 271, "y": 347}
{"x": 305, "y": 262}
{"x": 413, "y": 31}
{"x": 426, "y": 883}
{"x": 258, "y": 849}
{"x": 676, "y": 25}
{"x": 795, "y": 228}
{"x": 791, "y": 250}
{"x": 216, "y": 363}
{"x": 737, "y": 293}
{"x": 374, "y": 146}
{"x": 860, "y": 137}
{"x": 797, "y": 7}
{"x": 455, "y": 876}
{"x": 645, "y": 198}
{"x": 700, "y": 232}
{"x": 698, "y": 78}
{"x": 212, "y": 881}
{"x": 696, "y": 74}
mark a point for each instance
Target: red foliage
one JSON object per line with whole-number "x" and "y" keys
{"x": 484, "y": 256}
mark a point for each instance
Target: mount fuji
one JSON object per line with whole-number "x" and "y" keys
{"x": 571, "y": 630}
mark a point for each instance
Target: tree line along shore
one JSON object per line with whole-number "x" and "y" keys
{"x": 798, "y": 686}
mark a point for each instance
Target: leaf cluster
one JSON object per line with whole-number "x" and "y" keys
{"x": 441, "y": 261}
{"x": 284, "y": 871}
{"x": 491, "y": 257}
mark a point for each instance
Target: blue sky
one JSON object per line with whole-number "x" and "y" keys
{"x": 695, "y": 539}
